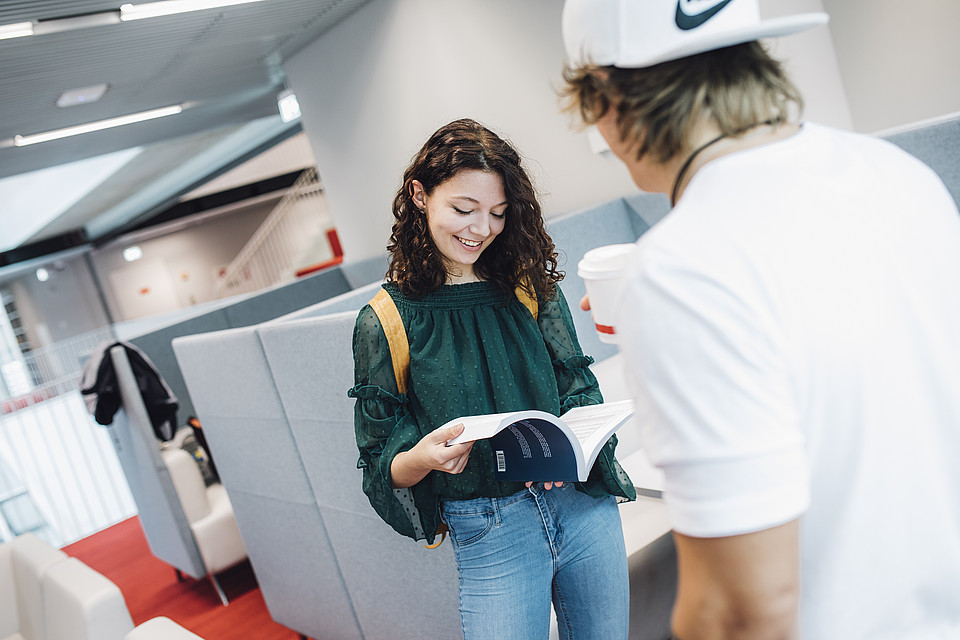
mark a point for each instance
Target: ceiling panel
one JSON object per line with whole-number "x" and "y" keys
{"x": 225, "y": 65}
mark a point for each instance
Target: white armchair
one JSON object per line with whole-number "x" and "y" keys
{"x": 210, "y": 514}
{"x": 46, "y": 595}
{"x": 161, "y": 629}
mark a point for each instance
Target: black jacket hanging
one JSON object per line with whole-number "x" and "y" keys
{"x": 101, "y": 392}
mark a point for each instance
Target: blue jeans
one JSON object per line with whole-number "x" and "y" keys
{"x": 517, "y": 554}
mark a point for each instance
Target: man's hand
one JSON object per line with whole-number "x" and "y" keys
{"x": 585, "y": 303}
{"x": 430, "y": 454}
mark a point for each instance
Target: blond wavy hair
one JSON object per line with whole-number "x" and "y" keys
{"x": 658, "y": 107}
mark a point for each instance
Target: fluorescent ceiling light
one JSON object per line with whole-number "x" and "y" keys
{"x": 16, "y": 30}
{"x": 83, "y": 95}
{"x": 22, "y": 141}
{"x": 170, "y": 7}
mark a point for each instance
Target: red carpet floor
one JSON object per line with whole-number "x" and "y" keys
{"x": 150, "y": 588}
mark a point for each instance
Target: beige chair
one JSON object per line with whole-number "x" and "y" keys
{"x": 210, "y": 514}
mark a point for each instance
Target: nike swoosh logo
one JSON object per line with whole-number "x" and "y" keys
{"x": 687, "y": 21}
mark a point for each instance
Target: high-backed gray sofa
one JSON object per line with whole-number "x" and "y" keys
{"x": 272, "y": 398}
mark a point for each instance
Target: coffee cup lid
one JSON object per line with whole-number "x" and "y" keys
{"x": 604, "y": 262}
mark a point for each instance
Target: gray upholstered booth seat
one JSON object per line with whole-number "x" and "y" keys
{"x": 616, "y": 222}
{"x": 937, "y": 144}
{"x": 242, "y": 312}
{"x": 261, "y": 467}
{"x": 399, "y": 589}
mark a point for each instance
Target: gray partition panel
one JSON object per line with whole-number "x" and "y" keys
{"x": 258, "y": 461}
{"x": 398, "y": 588}
{"x": 157, "y": 346}
{"x": 278, "y": 301}
{"x": 938, "y": 145}
{"x": 351, "y": 300}
{"x": 161, "y": 514}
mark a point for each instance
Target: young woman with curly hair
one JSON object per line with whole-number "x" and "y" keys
{"x": 468, "y": 236}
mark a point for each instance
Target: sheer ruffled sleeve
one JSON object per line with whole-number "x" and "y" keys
{"x": 575, "y": 381}
{"x": 579, "y": 387}
{"x": 384, "y": 427}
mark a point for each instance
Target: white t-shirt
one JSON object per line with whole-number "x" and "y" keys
{"x": 793, "y": 334}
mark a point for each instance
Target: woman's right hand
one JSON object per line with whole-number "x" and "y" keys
{"x": 430, "y": 454}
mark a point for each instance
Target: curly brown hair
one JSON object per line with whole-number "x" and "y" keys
{"x": 657, "y": 107}
{"x": 522, "y": 253}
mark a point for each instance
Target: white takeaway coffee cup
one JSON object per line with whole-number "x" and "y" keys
{"x": 602, "y": 271}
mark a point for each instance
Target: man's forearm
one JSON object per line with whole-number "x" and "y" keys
{"x": 741, "y": 587}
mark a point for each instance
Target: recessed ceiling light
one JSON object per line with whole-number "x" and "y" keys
{"x": 288, "y": 105}
{"x": 16, "y": 30}
{"x": 43, "y": 275}
{"x": 132, "y": 253}
{"x": 83, "y": 95}
{"x": 22, "y": 141}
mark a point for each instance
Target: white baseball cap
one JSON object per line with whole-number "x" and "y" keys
{"x": 642, "y": 33}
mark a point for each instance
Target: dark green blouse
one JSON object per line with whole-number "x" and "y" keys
{"x": 474, "y": 349}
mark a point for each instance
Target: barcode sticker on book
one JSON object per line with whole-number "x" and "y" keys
{"x": 501, "y": 462}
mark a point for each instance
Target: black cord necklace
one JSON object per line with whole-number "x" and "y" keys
{"x": 696, "y": 152}
{"x": 688, "y": 162}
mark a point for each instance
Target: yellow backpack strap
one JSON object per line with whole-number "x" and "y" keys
{"x": 386, "y": 309}
{"x": 525, "y": 297}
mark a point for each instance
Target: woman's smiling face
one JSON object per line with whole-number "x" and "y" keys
{"x": 464, "y": 215}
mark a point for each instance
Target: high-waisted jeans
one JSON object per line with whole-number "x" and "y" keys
{"x": 517, "y": 554}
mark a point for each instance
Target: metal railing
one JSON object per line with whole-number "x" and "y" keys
{"x": 59, "y": 473}
{"x": 276, "y": 248}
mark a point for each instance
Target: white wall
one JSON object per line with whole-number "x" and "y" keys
{"x": 177, "y": 270}
{"x": 376, "y": 86}
{"x": 898, "y": 59}
{"x": 810, "y": 59}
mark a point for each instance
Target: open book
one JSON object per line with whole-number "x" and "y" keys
{"x": 535, "y": 445}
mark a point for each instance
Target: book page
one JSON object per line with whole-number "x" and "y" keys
{"x": 585, "y": 421}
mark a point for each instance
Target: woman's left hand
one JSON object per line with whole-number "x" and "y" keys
{"x": 546, "y": 485}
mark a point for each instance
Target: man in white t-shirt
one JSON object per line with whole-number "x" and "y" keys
{"x": 792, "y": 328}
